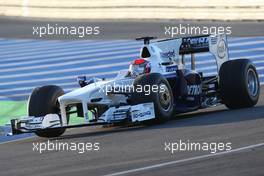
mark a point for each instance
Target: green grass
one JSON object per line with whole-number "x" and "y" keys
{"x": 15, "y": 109}
{"x": 12, "y": 109}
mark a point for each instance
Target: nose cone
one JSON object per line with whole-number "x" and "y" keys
{"x": 83, "y": 94}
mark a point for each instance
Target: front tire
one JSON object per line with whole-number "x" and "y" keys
{"x": 43, "y": 101}
{"x": 239, "y": 84}
{"x": 162, "y": 100}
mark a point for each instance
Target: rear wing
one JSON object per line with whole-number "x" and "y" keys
{"x": 216, "y": 45}
{"x": 176, "y": 47}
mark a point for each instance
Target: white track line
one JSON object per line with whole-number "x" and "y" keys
{"x": 184, "y": 160}
{"x": 100, "y": 56}
{"x": 80, "y": 51}
{"x": 25, "y": 88}
{"x": 27, "y": 47}
{"x": 54, "y": 44}
{"x": 68, "y": 63}
{"x": 245, "y": 43}
{"x": 61, "y": 48}
{"x": 86, "y": 68}
{"x": 74, "y": 76}
{"x": 239, "y": 39}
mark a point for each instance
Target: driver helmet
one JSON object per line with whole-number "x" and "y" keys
{"x": 139, "y": 66}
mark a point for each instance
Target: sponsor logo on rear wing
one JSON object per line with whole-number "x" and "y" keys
{"x": 194, "y": 44}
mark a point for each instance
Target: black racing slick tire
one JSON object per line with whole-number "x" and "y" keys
{"x": 162, "y": 99}
{"x": 43, "y": 101}
{"x": 239, "y": 84}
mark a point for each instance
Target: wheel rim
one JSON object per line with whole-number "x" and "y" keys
{"x": 165, "y": 97}
{"x": 252, "y": 82}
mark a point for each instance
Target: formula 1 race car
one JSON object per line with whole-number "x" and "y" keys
{"x": 156, "y": 86}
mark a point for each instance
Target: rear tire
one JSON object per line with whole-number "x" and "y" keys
{"x": 163, "y": 101}
{"x": 43, "y": 101}
{"x": 239, "y": 84}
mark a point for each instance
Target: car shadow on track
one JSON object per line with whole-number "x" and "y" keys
{"x": 219, "y": 116}
{"x": 199, "y": 118}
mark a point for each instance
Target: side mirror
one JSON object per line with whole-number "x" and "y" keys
{"x": 82, "y": 81}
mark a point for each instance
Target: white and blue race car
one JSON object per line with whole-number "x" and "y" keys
{"x": 156, "y": 86}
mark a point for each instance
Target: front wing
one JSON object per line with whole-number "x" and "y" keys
{"x": 128, "y": 113}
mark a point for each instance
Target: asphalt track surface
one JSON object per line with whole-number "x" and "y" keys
{"x": 139, "y": 150}
{"x": 14, "y": 27}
